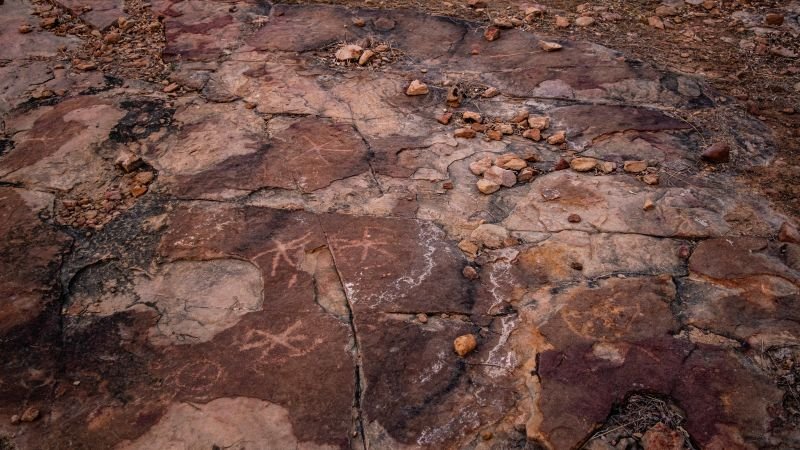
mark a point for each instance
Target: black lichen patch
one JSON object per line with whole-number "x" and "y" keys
{"x": 143, "y": 118}
{"x": 5, "y": 145}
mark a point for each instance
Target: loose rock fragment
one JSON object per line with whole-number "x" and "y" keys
{"x": 490, "y": 92}
{"x": 525, "y": 175}
{"x": 583, "y": 164}
{"x": 656, "y": 22}
{"x": 500, "y": 176}
{"x": 562, "y": 22}
{"x": 384, "y": 24}
{"x": 444, "y": 118}
{"x": 480, "y": 166}
{"x": 365, "y": 57}
{"x": 468, "y": 247}
{"x": 539, "y": 122}
{"x": 504, "y": 128}
{"x": 550, "y": 46}
{"x": 358, "y": 21}
{"x": 491, "y": 34}
{"x": 470, "y": 273}
{"x": 561, "y": 164}
{"x": 520, "y": 116}
{"x": 634, "y": 166}
{"x": 464, "y": 345}
{"x": 422, "y": 318}
{"x": 717, "y": 153}
{"x": 349, "y": 52}
{"x": 557, "y": 138}
{"x": 470, "y": 116}
{"x": 511, "y": 163}
{"x": 789, "y": 233}
{"x": 607, "y": 167}
{"x": 650, "y": 178}
{"x": 477, "y": 3}
{"x": 417, "y": 88}
{"x": 24, "y": 29}
{"x": 487, "y": 187}
{"x": 454, "y": 97}
{"x": 30, "y": 415}
{"x": 774, "y": 19}
{"x": 494, "y": 135}
{"x": 584, "y": 21}
{"x": 574, "y": 218}
{"x": 648, "y": 205}
{"x": 466, "y": 133}
{"x": 532, "y": 134}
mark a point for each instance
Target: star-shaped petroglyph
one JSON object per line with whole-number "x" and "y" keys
{"x": 319, "y": 151}
{"x": 269, "y": 345}
{"x": 366, "y": 244}
{"x": 285, "y": 251}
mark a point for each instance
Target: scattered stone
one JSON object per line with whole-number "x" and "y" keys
{"x": 466, "y": 133}
{"x": 477, "y": 3}
{"x": 634, "y": 166}
{"x": 172, "y": 87}
{"x": 494, "y": 135}
{"x": 365, "y": 57}
{"x": 490, "y": 92}
{"x": 520, "y": 116}
{"x": 491, "y": 34}
{"x": 487, "y": 187}
{"x": 30, "y": 415}
{"x": 575, "y": 265}
{"x": 607, "y": 167}
{"x": 24, "y": 29}
{"x": 648, "y": 205}
{"x": 349, "y": 52}
{"x": 661, "y": 437}
{"x": 454, "y": 97}
{"x": 584, "y": 21}
{"x": 444, "y": 118}
{"x": 358, "y": 21}
{"x": 513, "y": 163}
{"x": 144, "y": 177}
{"x": 417, "y": 88}
{"x": 480, "y": 166}
{"x": 85, "y": 66}
{"x": 550, "y": 194}
{"x": 384, "y": 24}
{"x": 532, "y": 134}
{"x": 583, "y": 164}
{"x": 49, "y": 22}
{"x": 650, "y": 178}
{"x": 562, "y": 22}
{"x": 550, "y": 46}
{"x": 127, "y": 161}
{"x": 465, "y": 344}
{"x": 504, "y": 128}
{"x": 561, "y": 164}
{"x": 422, "y": 318}
{"x": 667, "y": 11}
{"x": 500, "y": 176}
{"x": 447, "y": 185}
{"x": 381, "y": 48}
{"x": 774, "y": 19}
{"x": 478, "y": 127}
{"x": 470, "y": 116}
{"x": 718, "y": 152}
{"x": 470, "y": 273}
{"x": 574, "y": 218}
{"x": 525, "y": 175}
{"x": 789, "y": 233}
{"x": 468, "y": 247}
{"x": 539, "y": 122}
{"x": 15, "y": 419}
{"x": 138, "y": 190}
{"x": 557, "y": 138}
{"x": 655, "y": 22}
{"x": 487, "y": 435}
{"x": 502, "y": 22}
{"x": 112, "y": 37}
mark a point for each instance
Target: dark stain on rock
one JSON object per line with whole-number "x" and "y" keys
{"x": 143, "y": 118}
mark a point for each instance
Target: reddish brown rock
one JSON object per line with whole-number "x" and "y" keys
{"x": 491, "y": 34}
{"x": 717, "y": 153}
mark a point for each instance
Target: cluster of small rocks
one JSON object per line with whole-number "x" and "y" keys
{"x": 644, "y": 170}
{"x": 366, "y": 53}
{"x": 485, "y": 236}
{"x": 504, "y": 171}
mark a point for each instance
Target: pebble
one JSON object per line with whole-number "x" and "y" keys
{"x": 490, "y": 92}
{"x": 24, "y": 29}
{"x": 666, "y": 11}
{"x": 422, "y": 318}
{"x": 718, "y": 152}
{"x": 359, "y": 22}
{"x": 648, "y": 205}
{"x": 550, "y": 46}
{"x": 470, "y": 273}
{"x": 382, "y": 48}
{"x": 789, "y": 233}
{"x": 487, "y": 187}
{"x": 417, "y": 88}
{"x": 480, "y": 166}
{"x": 557, "y": 138}
{"x": 562, "y": 22}
{"x": 514, "y": 163}
{"x": 384, "y": 24}
{"x": 477, "y": 3}
{"x": 500, "y": 176}
{"x": 774, "y": 19}
{"x": 584, "y": 21}
{"x": 607, "y": 167}
{"x": 466, "y": 133}
{"x": 504, "y": 128}
{"x": 144, "y": 177}
{"x": 574, "y": 218}
{"x": 172, "y": 87}
{"x": 539, "y": 122}
{"x": 634, "y": 166}
{"x": 561, "y": 164}
{"x": 464, "y": 345}
{"x": 468, "y": 247}
{"x": 650, "y": 178}
{"x": 533, "y": 134}
{"x": 494, "y": 135}
{"x": 15, "y": 419}
{"x": 138, "y": 190}
{"x": 112, "y": 37}
{"x": 520, "y": 116}
{"x": 486, "y": 435}
{"x": 502, "y": 22}
{"x": 470, "y": 116}
{"x": 583, "y": 164}
{"x": 480, "y": 128}
{"x": 30, "y": 415}
{"x": 655, "y": 22}
{"x": 444, "y": 118}
{"x": 525, "y": 175}
{"x": 454, "y": 97}
{"x": 365, "y": 57}
{"x": 491, "y": 34}
{"x": 349, "y": 52}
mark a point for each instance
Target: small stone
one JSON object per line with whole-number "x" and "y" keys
{"x": 550, "y": 194}
{"x": 384, "y": 24}
{"x": 349, "y": 52}
{"x": 444, "y": 118}
{"x": 709, "y": 4}
{"x": 539, "y": 122}
{"x": 666, "y": 11}
{"x": 468, "y": 247}
{"x": 660, "y": 436}
{"x": 514, "y": 164}
{"x": 417, "y": 88}
{"x": 49, "y": 22}
{"x": 520, "y": 116}
{"x": 655, "y": 22}
{"x": 480, "y": 166}
{"x": 127, "y": 161}
{"x": 382, "y": 48}
{"x": 502, "y": 22}
{"x": 172, "y": 87}
{"x": 634, "y": 166}
{"x": 144, "y": 177}
{"x": 525, "y": 175}
{"x": 574, "y": 218}
{"x": 583, "y": 164}
{"x": 454, "y": 97}
{"x": 648, "y": 205}
{"x": 774, "y": 19}
{"x": 487, "y": 187}
{"x": 491, "y": 34}
{"x": 494, "y": 135}
{"x": 504, "y": 128}
{"x": 465, "y": 344}
{"x": 358, "y": 21}
{"x": 15, "y": 419}
{"x": 533, "y": 134}
{"x": 561, "y": 164}
{"x": 470, "y": 116}
{"x": 477, "y": 3}
{"x": 365, "y": 57}
{"x": 651, "y": 179}
{"x": 470, "y": 273}
{"x": 112, "y": 37}
{"x": 29, "y": 415}
{"x": 584, "y": 21}
{"x": 138, "y": 190}
{"x": 718, "y": 152}
{"x": 500, "y": 176}
{"x": 607, "y": 167}
{"x": 479, "y": 127}
{"x": 562, "y": 22}
{"x": 447, "y": 185}
{"x": 557, "y": 138}
{"x": 550, "y": 46}
{"x": 490, "y": 92}
{"x": 575, "y": 265}
{"x": 85, "y": 66}
{"x": 789, "y": 233}
{"x": 24, "y": 29}
{"x": 422, "y": 318}
{"x": 466, "y": 133}
{"x": 486, "y": 435}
